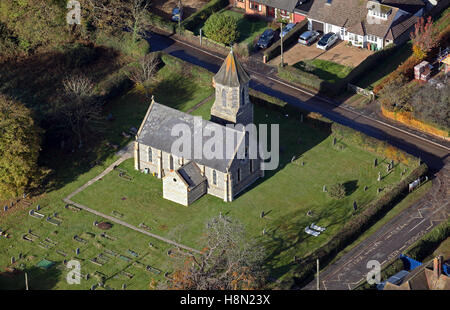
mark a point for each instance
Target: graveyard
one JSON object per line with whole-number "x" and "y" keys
{"x": 276, "y": 210}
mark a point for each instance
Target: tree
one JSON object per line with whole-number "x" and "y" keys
{"x": 113, "y": 16}
{"x": 79, "y": 108}
{"x": 20, "y": 143}
{"x": 337, "y": 191}
{"x": 396, "y": 94}
{"x": 423, "y": 37}
{"x": 144, "y": 71}
{"x": 221, "y": 28}
{"x": 229, "y": 261}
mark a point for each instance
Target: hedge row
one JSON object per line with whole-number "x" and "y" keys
{"x": 353, "y": 229}
{"x": 289, "y": 39}
{"x": 373, "y": 145}
{"x": 199, "y": 17}
{"x": 419, "y": 251}
{"x": 161, "y": 23}
{"x": 310, "y": 80}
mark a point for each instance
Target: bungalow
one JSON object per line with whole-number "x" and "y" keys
{"x": 363, "y": 23}
{"x": 292, "y": 10}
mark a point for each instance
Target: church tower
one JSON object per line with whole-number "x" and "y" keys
{"x": 232, "y": 104}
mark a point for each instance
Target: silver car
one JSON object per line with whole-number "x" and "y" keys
{"x": 327, "y": 41}
{"x": 308, "y": 37}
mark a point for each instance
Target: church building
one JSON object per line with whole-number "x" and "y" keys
{"x": 188, "y": 177}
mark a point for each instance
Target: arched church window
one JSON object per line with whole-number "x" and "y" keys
{"x": 224, "y": 97}
{"x": 235, "y": 97}
{"x": 214, "y": 177}
{"x": 171, "y": 162}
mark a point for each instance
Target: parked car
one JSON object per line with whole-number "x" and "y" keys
{"x": 177, "y": 14}
{"x": 286, "y": 29}
{"x": 308, "y": 37}
{"x": 266, "y": 38}
{"x": 327, "y": 40}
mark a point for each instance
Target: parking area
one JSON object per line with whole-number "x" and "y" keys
{"x": 339, "y": 53}
{"x": 164, "y": 7}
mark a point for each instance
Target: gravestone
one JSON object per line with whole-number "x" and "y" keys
{"x": 375, "y": 162}
{"x": 38, "y": 207}
{"x": 13, "y": 260}
{"x": 379, "y": 177}
{"x": 324, "y": 189}
{"x": 303, "y": 163}
{"x": 124, "y": 286}
{"x": 5, "y": 208}
{"x": 150, "y": 244}
{"x": 334, "y": 141}
{"x": 355, "y": 207}
{"x": 262, "y": 214}
{"x": 264, "y": 231}
{"x": 378, "y": 190}
{"x": 365, "y": 188}
{"x": 77, "y": 251}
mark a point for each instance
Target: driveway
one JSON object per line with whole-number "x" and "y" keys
{"x": 340, "y": 53}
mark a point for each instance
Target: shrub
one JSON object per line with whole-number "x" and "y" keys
{"x": 196, "y": 19}
{"x": 337, "y": 191}
{"x": 221, "y": 28}
{"x": 159, "y": 22}
{"x": 124, "y": 44}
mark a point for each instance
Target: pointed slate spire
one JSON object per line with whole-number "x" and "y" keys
{"x": 231, "y": 73}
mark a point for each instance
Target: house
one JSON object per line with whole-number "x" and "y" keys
{"x": 414, "y": 7}
{"x": 187, "y": 175}
{"x": 425, "y": 277}
{"x": 363, "y": 23}
{"x": 293, "y": 10}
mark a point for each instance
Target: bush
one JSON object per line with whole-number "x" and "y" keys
{"x": 289, "y": 39}
{"x": 124, "y": 44}
{"x": 221, "y": 28}
{"x": 198, "y": 18}
{"x": 337, "y": 191}
{"x": 159, "y": 22}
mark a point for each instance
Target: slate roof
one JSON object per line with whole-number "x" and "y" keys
{"x": 401, "y": 25}
{"x": 231, "y": 72}
{"x": 410, "y": 6}
{"x": 191, "y": 174}
{"x": 287, "y": 5}
{"x": 156, "y": 130}
{"x": 351, "y": 14}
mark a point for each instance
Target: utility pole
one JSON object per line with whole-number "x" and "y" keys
{"x": 318, "y": 281}
{"x": 282, "y": 62}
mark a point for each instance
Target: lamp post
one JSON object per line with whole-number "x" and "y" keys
{"x": 281, "y": 34}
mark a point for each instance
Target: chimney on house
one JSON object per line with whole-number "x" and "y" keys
{"x": 437, "y": 266}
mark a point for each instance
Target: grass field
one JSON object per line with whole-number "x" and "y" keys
{"x": 324, "y": 69}
{"x": 285, "y": 195}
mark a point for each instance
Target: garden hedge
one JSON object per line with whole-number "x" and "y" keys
{"x": 200, "y": 16}
{"x": 289, "y": 39}
{"x": 161, "y": 23}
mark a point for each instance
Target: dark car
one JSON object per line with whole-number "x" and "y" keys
{"x": 177, "y": 14}
{"x": 266, "y": 38}
{"x": 308, "y": 37}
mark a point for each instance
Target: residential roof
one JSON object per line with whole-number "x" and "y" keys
{"x": 288, "y": 5}
{"x": 231, "y": 72}
{"x": 304, "y": 7}
{"x": 401, "y": 25}
{"x": 352, "y": 14}
{"x": 156, "y": 132}
{"x": 191, "y": 174}
{"x": 410, "y": 6}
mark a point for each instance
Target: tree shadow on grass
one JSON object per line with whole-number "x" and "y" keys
{"x": 350, "y": 187}
{"x": 175, "y": 90}
{"x": 38, "y": 279}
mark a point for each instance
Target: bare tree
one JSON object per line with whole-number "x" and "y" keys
{"x": 229, "y": 260}
{"x": 79, "y": 108}
{"x": 144, "y": 71}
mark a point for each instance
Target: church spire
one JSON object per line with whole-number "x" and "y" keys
{"x": 231, "y": 73}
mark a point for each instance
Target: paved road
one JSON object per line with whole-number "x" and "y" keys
{"x": 431, "y": 150}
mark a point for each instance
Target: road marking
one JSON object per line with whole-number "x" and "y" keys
{"x": 324, "y": 99}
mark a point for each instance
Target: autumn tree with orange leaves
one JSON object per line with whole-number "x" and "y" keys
{"x": 423, "y": 37}
{"x": 230, "y": 261}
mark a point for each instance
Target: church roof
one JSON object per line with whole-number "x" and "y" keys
{"x": 191, "y": 174}
{"x": 156, "y": 132}
{"x": 231, "y": 73}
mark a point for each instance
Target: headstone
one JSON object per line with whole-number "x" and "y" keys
{"x": 392, "y": 163}
{"x": 303, "y": 163}
{"x": 20, "y": 255}
{"x": 124, "y": 286}
{"x": 38, "y": 207}
{"x": 293, "y": 158}
{"x": 295, "y": 258}
{"x": 77, "y": 251}
{"x": 324, "y": 189}
{"x": 13, "y": 260}
{"x": 334, "y": 141}
{"x": 375, "y": 162}
{"x": 365, "y": 188}
{"x": 29, "y": 230}
{"x": 95, "y": 223}
{"x": 150, "y": 244}
{"x": 355, "y": 207}
{"x": 378, "y": 190}
{"x": 388, "y": 167}
{"x": 93, "y": 287}
{"x": 379, "y": 177}
{"x": 264, "y": 231}
{"x": 5, "y": 208}
{"x": 262, "y": 214}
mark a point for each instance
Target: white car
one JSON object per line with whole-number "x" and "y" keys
{"x": 327, "y": 40}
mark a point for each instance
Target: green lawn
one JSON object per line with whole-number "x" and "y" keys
{"x": 324, "y": 69}
{"x": 285, "y": 195}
